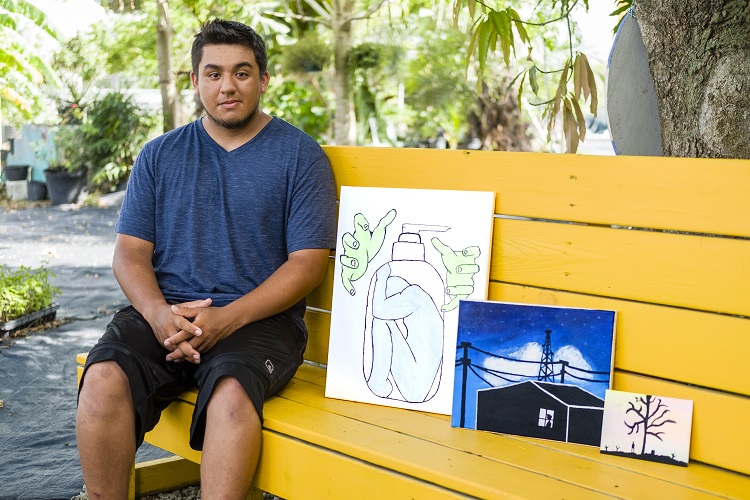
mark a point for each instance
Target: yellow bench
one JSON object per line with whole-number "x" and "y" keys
{"x": 663, "y": 241}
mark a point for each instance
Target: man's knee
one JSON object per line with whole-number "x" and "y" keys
{"x": 230, "y": 401}
{"x": 105, "y": 386}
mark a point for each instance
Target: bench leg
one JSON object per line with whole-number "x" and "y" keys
{"x": 164, "y": 474}
{"x": 131, "y": 483}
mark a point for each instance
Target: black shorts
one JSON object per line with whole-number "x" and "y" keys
{"x": 262, "y": 356}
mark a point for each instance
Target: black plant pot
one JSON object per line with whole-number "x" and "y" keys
{"x": 63, "y": 186}
{"x": 37, "y": 191}
{"x": 17, "y": 173}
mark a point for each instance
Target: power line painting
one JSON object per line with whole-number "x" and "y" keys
{"x": 532, "y": 370}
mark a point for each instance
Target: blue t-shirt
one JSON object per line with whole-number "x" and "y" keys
{"x": 223, "y": 221}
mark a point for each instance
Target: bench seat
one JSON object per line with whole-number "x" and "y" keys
{"x": 335, "y": 448}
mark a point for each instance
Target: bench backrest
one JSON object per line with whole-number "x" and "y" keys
{"x": 663, "y": 241}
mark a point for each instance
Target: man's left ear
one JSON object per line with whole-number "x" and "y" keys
{"x": 264, "y": 82}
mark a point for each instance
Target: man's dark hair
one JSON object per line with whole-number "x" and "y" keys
{"x": 223, "y": 32}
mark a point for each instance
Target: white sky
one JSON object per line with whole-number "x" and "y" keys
{"x": 596, "y": 27}
{"x": 70, "y": 16}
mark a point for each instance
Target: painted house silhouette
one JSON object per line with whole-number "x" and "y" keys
{"x": 560, "y": 412}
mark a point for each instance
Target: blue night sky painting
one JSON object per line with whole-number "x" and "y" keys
{"x": 507, "y": 347}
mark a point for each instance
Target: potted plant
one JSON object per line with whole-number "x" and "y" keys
{"x": 16, "y": 172}
{"x": 26, "y": 296}
{"x": 66, "y": 175}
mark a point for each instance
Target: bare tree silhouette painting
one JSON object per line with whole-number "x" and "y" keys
{"x": 650, "y": 415}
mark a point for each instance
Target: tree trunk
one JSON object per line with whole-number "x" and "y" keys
{"x": 343, "y": 125}
{"x": 169, "y": 101}
{"x": 699, "y": 56}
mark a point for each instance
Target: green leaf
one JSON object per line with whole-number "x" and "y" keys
{"x": 580, "y": 119}
{"x": 561, "y": 90}
{"x": 520, "y": 91}
{"x": 532, "y": 80}
{"x": 520, "y": 28}
{"x": 591, "y": 80}
{"x": 513, "y": 81}
{"x": 473, "y": 45}
{"x": 484, "y": 43}
{"x": 501, "y": 23}
{"x": 457, "y": 12}
{"x": 619, "y": 11}
{"x": 570, "y": 127}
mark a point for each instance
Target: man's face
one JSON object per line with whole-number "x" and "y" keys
{"x": 229, "y": 85}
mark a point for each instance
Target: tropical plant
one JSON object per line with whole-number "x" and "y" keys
{"x": 311, "y": 53}
{"x": 302, "y": 105}
{"x": 113, "y": 133}
{"x": 503, "y": 30}
{"x": 22, "y": 68}
{"x": 24, "y": 291}
{"x": 340, "y": 18}
{"x": 80, "y": 62}
{"x": 70, "y": 150}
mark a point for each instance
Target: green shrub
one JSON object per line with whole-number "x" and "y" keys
{"x": 24, "y": 291}
{"x": 115, "y": 130}
{"x": 308, "y": 55}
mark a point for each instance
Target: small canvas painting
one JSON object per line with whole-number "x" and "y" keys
{"x": 647, "y": 427}
{"x": 404, "y": 260}
{"x": 532, "y": 370}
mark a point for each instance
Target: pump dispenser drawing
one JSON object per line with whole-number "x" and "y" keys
{"x": 404, "y": 328}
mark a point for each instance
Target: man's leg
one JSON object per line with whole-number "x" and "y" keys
{"x": 105, "y": 431}
{"x": 231, "y": 445}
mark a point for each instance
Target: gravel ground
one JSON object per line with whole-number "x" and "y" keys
{"x": 189, "y": 493}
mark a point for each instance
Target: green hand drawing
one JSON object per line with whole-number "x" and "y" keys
{"x": 461, "y": 269}
{"x": 361, "y": 247}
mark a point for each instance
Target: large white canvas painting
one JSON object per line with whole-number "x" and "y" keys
{"x": 404, "y": 260}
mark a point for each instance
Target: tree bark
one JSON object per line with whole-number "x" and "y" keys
{"x": 699, "y": 56}
{"x": 343, "y": 124}
{"x": 169, "y": 101}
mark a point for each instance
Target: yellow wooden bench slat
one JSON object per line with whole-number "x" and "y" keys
{"x": 318, "y": 324}
{"x": 669, "y": 193}
{"x": 352, "y": 478}
{"x": 674, "y": 269}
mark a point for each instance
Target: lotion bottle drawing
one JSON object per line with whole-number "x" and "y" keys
{"x": 403, "y": 344}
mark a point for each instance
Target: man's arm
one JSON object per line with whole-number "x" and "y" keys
{"x": 134, "y": 271}
{"x": 298, "y": 276}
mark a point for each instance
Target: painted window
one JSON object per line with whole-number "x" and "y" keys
{"x": 546, "y": 417}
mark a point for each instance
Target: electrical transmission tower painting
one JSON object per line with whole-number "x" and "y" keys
{"x": 539, "y": 371}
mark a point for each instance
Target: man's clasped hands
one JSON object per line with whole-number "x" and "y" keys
{"x": 189, "y": 328}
